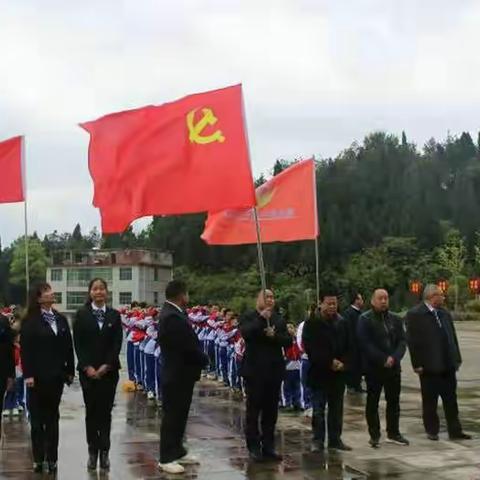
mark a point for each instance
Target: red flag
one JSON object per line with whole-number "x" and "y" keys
{"x": 182, "y": 157}
{"x": 287, "y": 210}
{"x": 11, "y": 190}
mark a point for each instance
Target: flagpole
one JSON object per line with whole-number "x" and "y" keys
{"x": 25, "y": 210}
{"x": 317, "y": 270}
{"x": 261, "y": 262}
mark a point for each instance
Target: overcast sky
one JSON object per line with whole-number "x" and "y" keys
{"x": 317, "y": 75}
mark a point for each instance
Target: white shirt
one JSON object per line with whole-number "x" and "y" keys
{"x": 53, "y": 325}
{"x": 103, "y": 309}
{"x": 175, "y": 305}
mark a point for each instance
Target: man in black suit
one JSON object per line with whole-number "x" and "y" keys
{"x": 435, "y": 356}
{"x": 7, "y": 362}
{"x": 263, "y": 367}
{"x": 382, "y": 338}
{"x": 183, "y": 360}
{"x": 351, "y": 315}
{"x": 325, "y": 339}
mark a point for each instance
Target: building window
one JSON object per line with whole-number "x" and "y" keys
{"x": 80, "y": 277}
{"x": 56, "y": 275}
{"x": 58, "y": 298}
{"x": 75, "y": 300}
{"x": 126, "y": 273}
{"x": 155, "y": 298}
{"x": 125, "y": 298}
{"x": 155, "y": 274}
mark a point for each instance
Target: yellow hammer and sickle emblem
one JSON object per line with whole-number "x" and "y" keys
{"x": 195, "y": 129}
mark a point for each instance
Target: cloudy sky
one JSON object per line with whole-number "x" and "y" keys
{"x": 317, "y": 75}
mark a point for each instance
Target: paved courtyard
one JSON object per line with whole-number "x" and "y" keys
{"x": 215, "y": 435}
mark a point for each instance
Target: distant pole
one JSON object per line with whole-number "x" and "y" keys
{"x": 27, "y": 263}
{"x": 25, "y": 205}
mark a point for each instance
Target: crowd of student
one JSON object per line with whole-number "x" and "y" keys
{"x": 218, "y": 331}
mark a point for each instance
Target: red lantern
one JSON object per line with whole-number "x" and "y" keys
{"x": 443, "y": 285}
{"x": 415, "y": 287}
{"x": 474, "y": 284}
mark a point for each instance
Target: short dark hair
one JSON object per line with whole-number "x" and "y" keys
{"x": 328, "y": 293}
{"x": 174, "y": 289}
{"x": 91, "y": 284}
{"x": 353, "y": 297}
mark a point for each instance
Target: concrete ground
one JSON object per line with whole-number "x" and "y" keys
{"x": 215, "y": 435}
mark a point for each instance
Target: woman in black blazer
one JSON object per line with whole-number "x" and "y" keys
{"x": 97, "y": 335}
{"x": 48, "y": 363}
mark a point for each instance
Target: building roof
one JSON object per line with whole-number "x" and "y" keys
{"x": 111, "y": 257}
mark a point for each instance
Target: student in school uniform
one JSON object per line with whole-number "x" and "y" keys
{"x": 47, "y": 358}
{"x": 14, "y": 400}
{"x": 97, "y": 334}
{"x": 7, "y": 363}
{"x": 291, "y": 384}
{"x": 149, "y": 351}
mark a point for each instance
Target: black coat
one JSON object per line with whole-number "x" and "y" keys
{"x": 351, "y": 316}
{"x": 94, "y": 346}
{"x": 263, "y": 358}
{"x": 46, "y": 356}
{"x": 182, "y": 354}
{"x": 434, "y": 349}
{"x": 325, "y": 340}
{"x": 7, "y": 359}
{"x": 381, "y": 335}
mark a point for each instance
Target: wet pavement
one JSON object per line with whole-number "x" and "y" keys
{"x": 214, "y": 434}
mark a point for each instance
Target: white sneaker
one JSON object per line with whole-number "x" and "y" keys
{"x": 151, "y": 396}
{"x": 6, "y": 413}
{"x": 189, "y": 460}
{"x": 309, "y": 413}
{"x": 172, "y": 467}
{"x": 15, "y": 412}
{"x": 20, "y": 408}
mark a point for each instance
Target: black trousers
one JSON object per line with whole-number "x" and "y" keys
{"x": 331, "y": 393}
{"x": 353, "y": 378}
{"x": 444, "y": 386}
{"x": 176, "y": 401}
{"x": 262, "y": 407}
{"x": 43, "y": 401}
{"x": 3, "y": 387}
{"x": 390, "y": 382}
{"x": 99, "y": 396}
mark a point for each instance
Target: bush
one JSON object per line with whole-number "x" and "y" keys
{"x": 465, "y": 316}
{"x": 473, "y": 306}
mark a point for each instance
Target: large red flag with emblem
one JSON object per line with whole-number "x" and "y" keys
{"x": 11, "y": 189}
{"x": 287, "y": 211}
{"x": 182, "y": 157}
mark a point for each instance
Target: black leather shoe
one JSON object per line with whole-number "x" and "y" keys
{"x": 255, "y": 455}
{"x": 272, "y": 455}
{"x": 38, "y": 467}
{"x": 461, "y": 436}
{"x": 92, "y": 460}
{"x": 104, "y": 461}
{"x": 433, "y": 437}
{"x": 340, "y": 446}
{"x": 52, "y": 467}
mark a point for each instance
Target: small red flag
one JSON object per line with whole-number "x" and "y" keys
{"x": 187, "y": 156}
{"x": 287, "y": 211}
{"x": 11, "y": 190}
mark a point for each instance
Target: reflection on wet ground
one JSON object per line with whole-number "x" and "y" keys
{"x": 215, "y": 435}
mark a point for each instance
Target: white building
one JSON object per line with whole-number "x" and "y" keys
{"x": 140, "y": 275}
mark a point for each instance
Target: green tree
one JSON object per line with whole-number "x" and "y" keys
{"x": 38, "y": 262}
{"x": 452, "y": 256}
